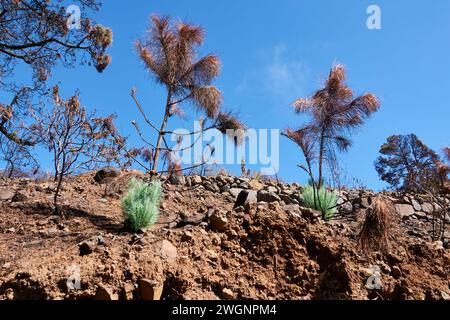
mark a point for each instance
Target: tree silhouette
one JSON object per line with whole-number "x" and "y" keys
{"x": 334, "y": 113}
{"x": 407, "y": 163}
{"x": 170, "y": 54}
{"x": 37, "y": 33}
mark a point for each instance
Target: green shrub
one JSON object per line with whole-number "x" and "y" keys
{"x": 326, "y": 201}
{"x": 140, "y": 205}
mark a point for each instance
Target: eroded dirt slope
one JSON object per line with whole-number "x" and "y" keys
{"x": 201, "y": 248}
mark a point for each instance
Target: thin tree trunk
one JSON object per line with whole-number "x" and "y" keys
{"x": 161, "y": 134}
{"x": 11, "y": 169}
{"x": 321, "y": 154}
{"x": 58, "y": 189}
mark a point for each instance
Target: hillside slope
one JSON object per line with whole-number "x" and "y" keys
{"x": 202, "y": 248}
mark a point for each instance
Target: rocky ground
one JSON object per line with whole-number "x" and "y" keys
{"x": 216, "y": 238}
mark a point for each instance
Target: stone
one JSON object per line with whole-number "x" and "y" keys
{"x": 293, "y": 209}
{"x": 168, "y": 251}
{"x": 267, "y": 196}
{"x": 445, "y": 295}
{"x": 256, "y": 185}
{"x": 88, "y": 246}
{"x": 353, "y": 195}
{"x": 194, "y": 220}
{"x": 366, "y": 272}
{"x": 196, "y": 180}
{"x": 225, "y": 188}
{"x": 177, "y": 179}
{"x": 404, "y": 210}
{"x": 272, "y": 189}
{"x": 242, "y": 179}
{"x": 20, "y": 196}
{"x": 310, "y": 213}
{"x": 286, "y": 198}
{"x": 213, "y": 187}
{"x": 365, "y": 202}
{"x": 218, "y": 222}
{"x": 235, "y": 191}
{"x": 246, "y": 197}
{"x": 420, "y": 215}
{"x": 6, "y": 194}
{"x": 427, "y": 207}
{"x": 187, "y": 236}
{"x": 105, "y": 174}
{"x": 212, "y": 255}
{"x": 416, "y": 205}
{"x": 415, "y": 233}
{"x": 225, "y": 179}
{"x": 150, "y": 290}
{"x": 244, "y": 185}
{"x": 227, "y": 294}
{"x": 346, "y": 207}
{"x": 105, "y": 294}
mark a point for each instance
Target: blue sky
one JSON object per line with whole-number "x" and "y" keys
{"x": 276, "y": 51}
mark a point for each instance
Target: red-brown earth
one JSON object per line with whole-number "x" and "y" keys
{"x": 201, "y": 248}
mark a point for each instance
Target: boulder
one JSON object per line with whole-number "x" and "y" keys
{"x": 105, "y": 174}
{"x": 168, "y": 251}
{"x": 228, "y": 294}
{"x": 293, "y": 209}
{"x": 235, "y": 191}
{"x": 256, "y": 185}
{"x": 404, "y": 210}
{"x": 427, "y": 207}
{"x": 267, "y": 196}
{"x": 6, "y": 194}
{"x": 353, "y": 195}
{"x": 365, "y": 202}
{"x": 20, "y": 196}
{"x": 218, "y": 221}
{"x": 186, "y": 236}
{"x": 420, "y": 215}
{"x": 213, "y": 187}
{"x": 177, "y": 179}
{"x": 310, "y": 213}
{"x": 416, "y": 205}
{"x": 246, "y": 197}
{"x": 272, "y": 189}
{"x": 196, "y": 180}
{"x": 88, "y": 246}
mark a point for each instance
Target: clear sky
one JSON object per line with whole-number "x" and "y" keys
{"x": 276, "y": 51}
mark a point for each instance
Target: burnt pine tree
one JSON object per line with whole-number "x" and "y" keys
{"x": 170, "y": 54}
{"x": 78, "y": 140}
{"x": 407, "y": 163}
{"x": 38, "y": 34}
{"x": 335, "y": 112}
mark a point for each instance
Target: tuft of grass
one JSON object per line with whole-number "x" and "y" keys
{"x": 140, "y": 204}
{"x": 320, "y": 199}
{"x": 376, "y": 228}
